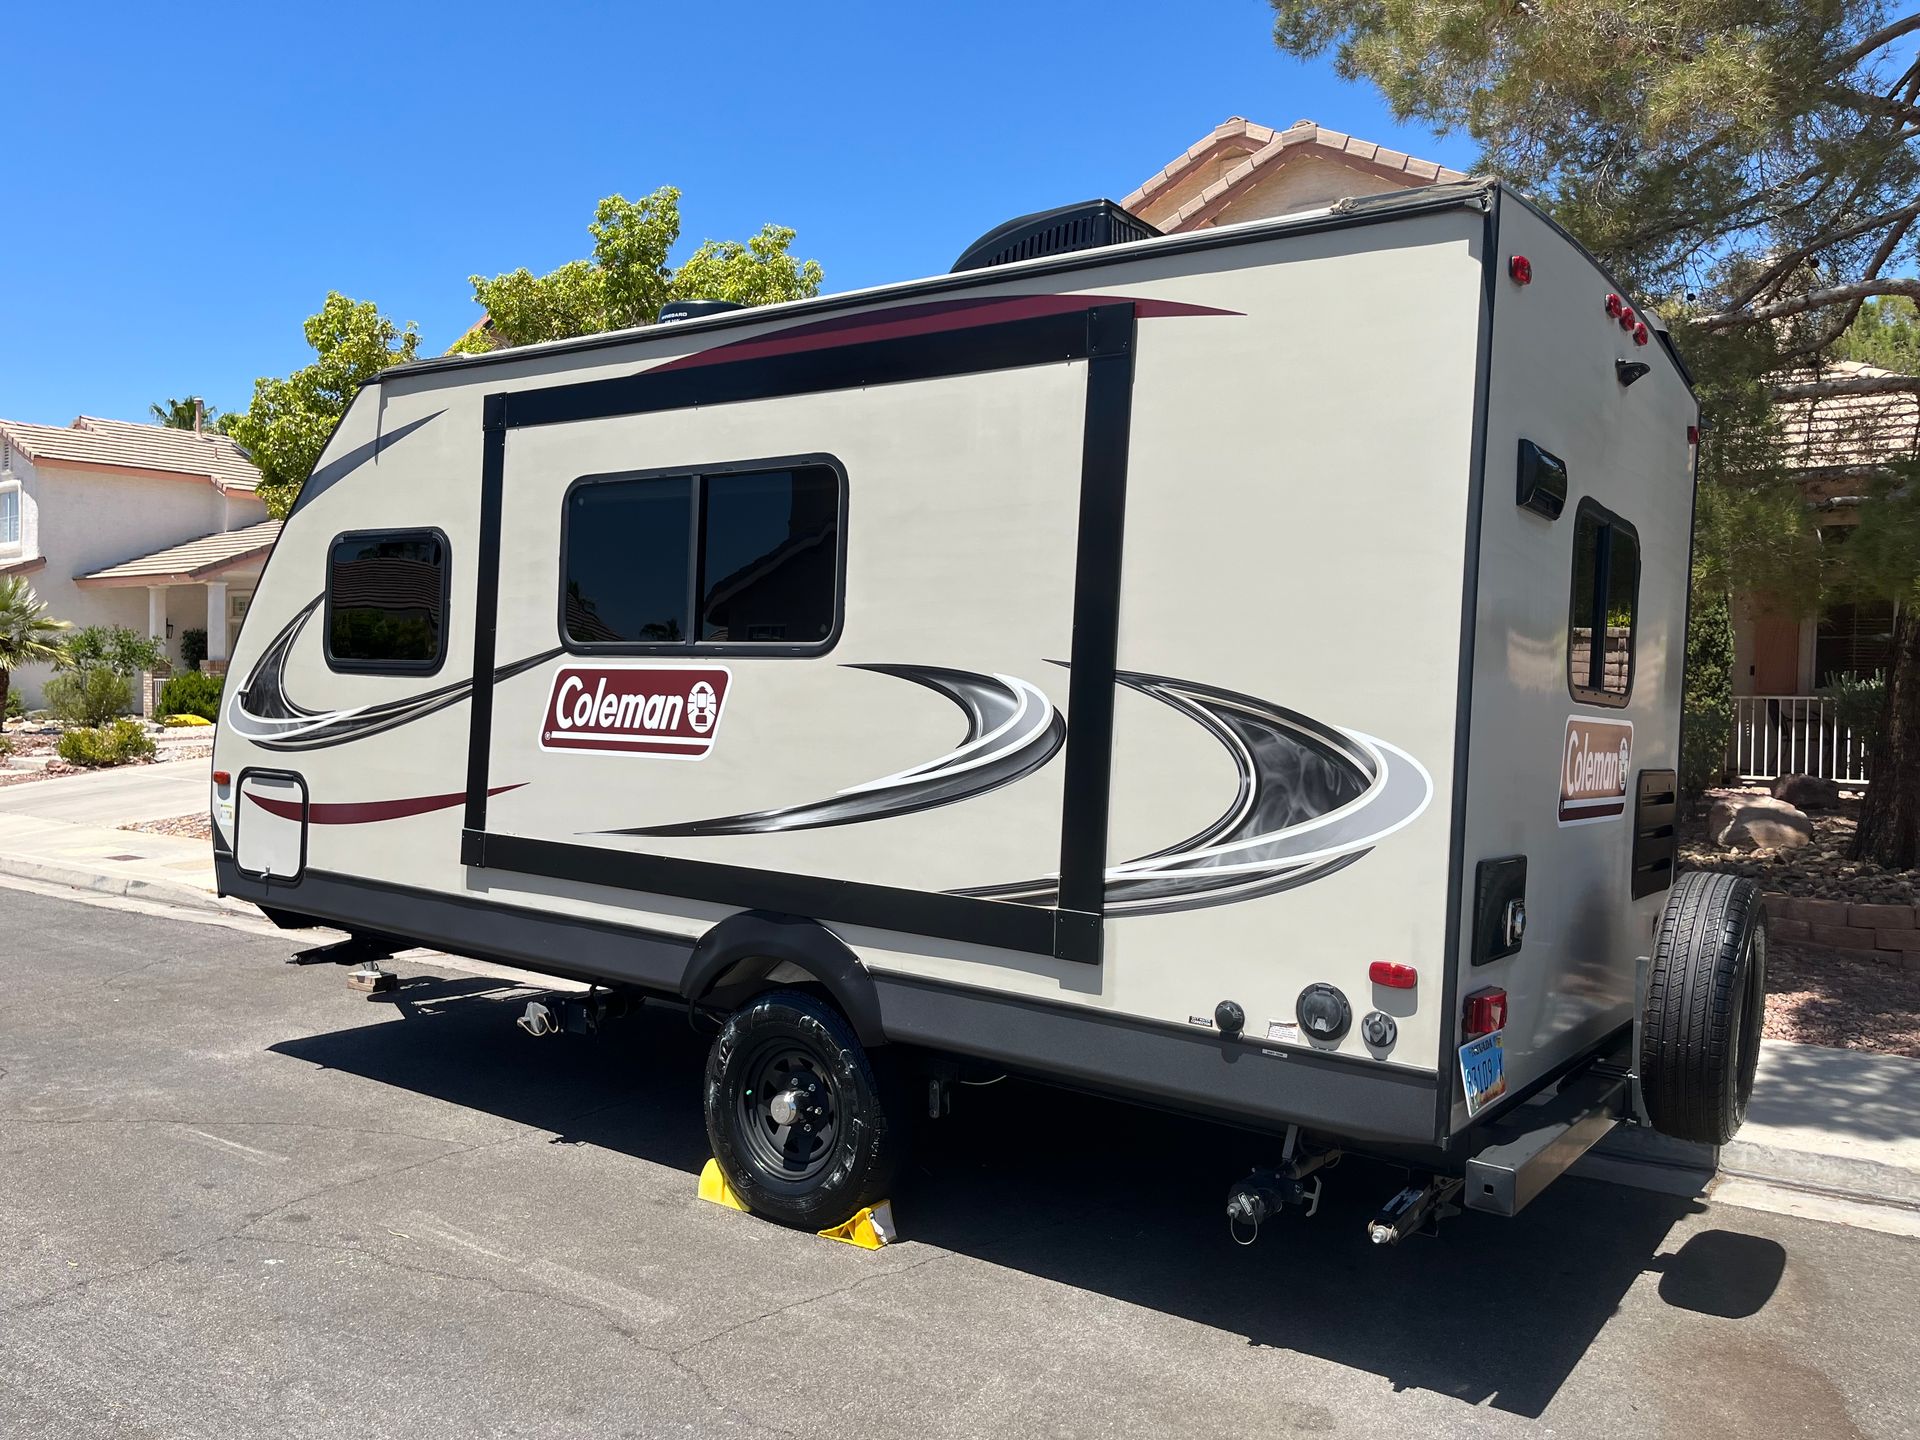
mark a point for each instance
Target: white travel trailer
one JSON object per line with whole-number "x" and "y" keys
{"x": 1236, "y": 671}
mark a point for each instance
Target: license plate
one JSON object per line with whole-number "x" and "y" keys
{"x": 1483, "y": 1069}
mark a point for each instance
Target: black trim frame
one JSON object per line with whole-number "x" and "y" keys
{"x": 389, "y": 667}
{"x": 1104, "y": 336}
{"x": 1610, "y": 521}
{"x": 1447, "y": 1078}
{"x": 697, "y": 580}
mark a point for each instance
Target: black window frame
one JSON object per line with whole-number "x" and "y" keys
{"x": 349, "y": 666}
{"x": 693, "y": 644}
{"x": 1602, "y": 576}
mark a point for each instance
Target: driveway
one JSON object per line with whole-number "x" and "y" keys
{"x": 237, "y": 1199}
{"x": 114, "y": 797}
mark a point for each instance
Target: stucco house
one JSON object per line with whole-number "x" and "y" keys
{"x": 116, "y": 523}
{"x": 1244, "y": 171}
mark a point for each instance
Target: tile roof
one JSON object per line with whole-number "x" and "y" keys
{"x": 1839, "y": 431}
{"x": 1260, "y": 146}
{"x": 201, "y": 559}
{"x": 93, "y": 441}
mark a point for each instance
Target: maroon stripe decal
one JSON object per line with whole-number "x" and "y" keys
{"x": 367, "y": 812}
{"x": 1591, "y": 810}
{"x": 927, "y": 319}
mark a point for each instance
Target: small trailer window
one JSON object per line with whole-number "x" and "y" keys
{"x": 721, "y": 559}
{"x": 387, "y": 601}
{"x": 1606, "y": 585}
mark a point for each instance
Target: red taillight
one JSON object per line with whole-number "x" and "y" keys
{"x": 221, "y": 777}
{"x": 1521, "y": 269}
{"x": 1486, "y": 1012}
{"x": 1693, "y": 434}
{"x": 1627, "y": 317}
{"x": 1393, "y": 976}
{"x": 1614, "y": 306}
{"x": 1640, "y": 333}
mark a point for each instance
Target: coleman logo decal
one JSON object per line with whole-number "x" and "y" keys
{"x": 1596, "y": 764}
{"x": 666, "y": 710}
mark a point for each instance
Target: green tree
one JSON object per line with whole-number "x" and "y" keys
{"x": 1885, "y": 333}
{"x": 628, "y": 277}
{"x": 26, "y": 632}
{"x": 184, "y": 414}
{"x": 1754, "y": 168}
{"x": 286, "y": 426}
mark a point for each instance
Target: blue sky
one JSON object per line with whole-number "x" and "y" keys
{"x": 181, "y": 193}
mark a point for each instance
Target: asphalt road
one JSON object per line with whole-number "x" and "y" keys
{"x": 237, "y": 1199}
{"x": 114, "y": 797}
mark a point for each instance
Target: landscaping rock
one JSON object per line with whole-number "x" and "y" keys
{"x": 1807, "y": 792}
{"x": 1758, "y": 822}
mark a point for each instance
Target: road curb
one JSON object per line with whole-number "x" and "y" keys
{"x": 1647, "y": 1160}
{"x": 132, "y": 887}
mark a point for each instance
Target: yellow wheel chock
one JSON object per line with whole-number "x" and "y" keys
{"x": 870, "y": 1228}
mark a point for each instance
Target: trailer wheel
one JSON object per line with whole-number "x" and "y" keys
{"x": 1705, "y": 1004}
{"x": 796, "y": 1114}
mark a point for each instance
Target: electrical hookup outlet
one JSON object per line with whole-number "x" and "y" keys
{"x": 870, "y": 1228}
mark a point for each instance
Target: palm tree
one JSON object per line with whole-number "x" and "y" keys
{"x": 178, "y": 414}
{"x": 26, "y": 631}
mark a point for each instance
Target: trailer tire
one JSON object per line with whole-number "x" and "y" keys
{"x": 784, "y": 1061}
{"x": 1705, "y": 1005}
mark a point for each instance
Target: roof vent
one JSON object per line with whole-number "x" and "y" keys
{"x": 676, "y": 310}
{"x": 1088, "y": 225}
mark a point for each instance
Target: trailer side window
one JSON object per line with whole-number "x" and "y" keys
{"x": 1606, "y": 587}
{"x": 387, "y": 601}
{"x": 723, "y": 559}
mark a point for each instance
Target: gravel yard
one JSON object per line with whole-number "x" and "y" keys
{"x": 1820, "y": 871}
{"x": 197, "y": 826}
{"x": 1814, "y": 995}
{"x": 1830, "y": 997}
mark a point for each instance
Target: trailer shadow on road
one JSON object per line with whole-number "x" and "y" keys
{"x": 1128, "y": 1203}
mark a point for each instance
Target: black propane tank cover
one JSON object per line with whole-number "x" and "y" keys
{"x": 1323, "y": 1012}
{"x": 1230, "y": 1018}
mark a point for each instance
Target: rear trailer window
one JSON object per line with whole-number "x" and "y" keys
{"x": 1606, "y": 588}
{"x": 387, "y": 601}
{"x": 717, "y": 560}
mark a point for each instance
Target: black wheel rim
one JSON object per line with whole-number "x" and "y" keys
{"x": 787, "y": 1112}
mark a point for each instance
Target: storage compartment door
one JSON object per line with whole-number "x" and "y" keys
{"x": 270, "y": 839}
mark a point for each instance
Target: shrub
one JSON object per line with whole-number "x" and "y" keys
{"x": 193, "y": 648}
{"x": 113, "y": 744}
{"x": 1706, "y": 723}
{"x": 16, "y": 707}
{"x": 192, "y": 693}
{"x": 6, "y": 747}
{"x": 1858, "y": 705}
{"x": 91, "y": 695}
{"x": 112, "y": 647}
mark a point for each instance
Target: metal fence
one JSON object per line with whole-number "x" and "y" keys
{"x": 1793, "y": 735}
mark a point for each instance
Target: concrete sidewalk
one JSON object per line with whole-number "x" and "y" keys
{"x": 165, "y": 869}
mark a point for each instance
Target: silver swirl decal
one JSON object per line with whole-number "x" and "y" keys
{"x": 1012, "y": 730}
{"x": 1312, "y": 798}
{"x": 263, "y": 712}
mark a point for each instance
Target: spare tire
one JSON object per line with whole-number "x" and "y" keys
{"x": 1705, "y": 1004}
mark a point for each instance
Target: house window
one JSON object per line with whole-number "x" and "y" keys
{"x": 734, "y": 559}
{"x": 387, "y": 601}
{"x": 1606, "y": 586}
{"x": 9, "y": 517}
{"x": 1853, "y": 642}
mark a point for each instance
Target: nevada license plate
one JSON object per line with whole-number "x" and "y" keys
{"x": 1483, "y": 1069}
